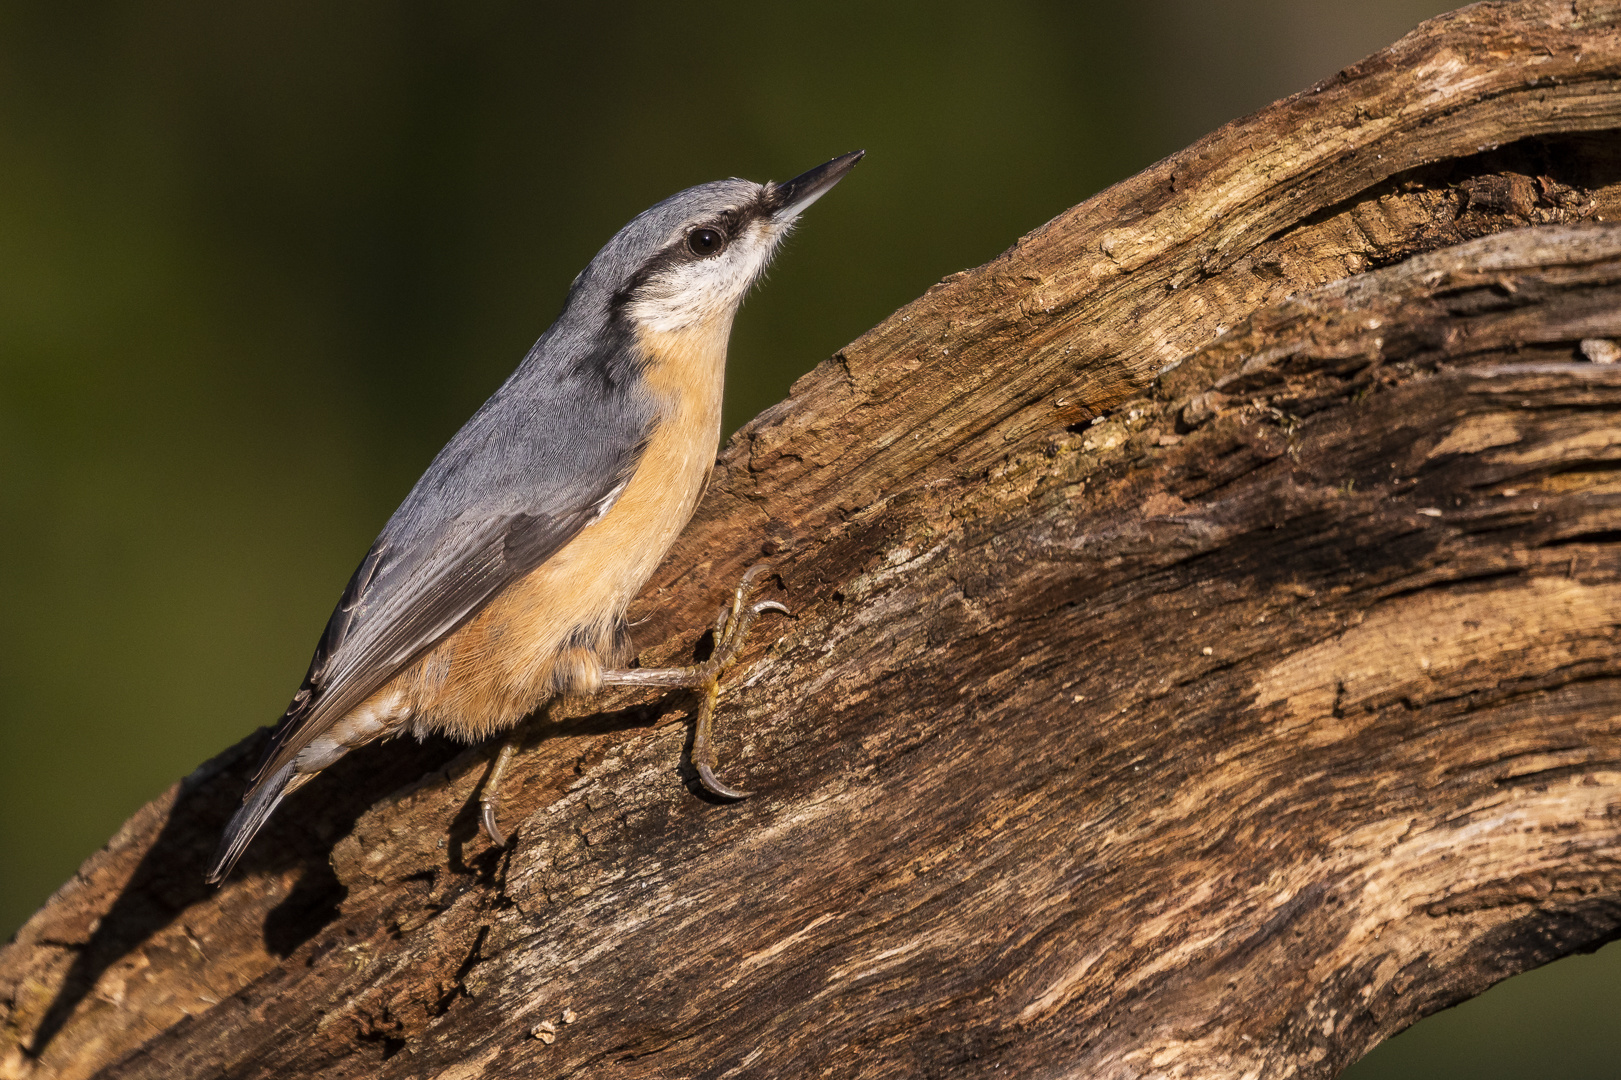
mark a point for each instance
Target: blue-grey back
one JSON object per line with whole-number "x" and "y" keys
{"x": 563, "y": 420}
{"x": 534, "y": 465}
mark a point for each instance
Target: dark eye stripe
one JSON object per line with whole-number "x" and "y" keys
{"x": 729, "y": 223}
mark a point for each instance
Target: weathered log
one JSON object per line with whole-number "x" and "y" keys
{"x": 1202, "y": 666}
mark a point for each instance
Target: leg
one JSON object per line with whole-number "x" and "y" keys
{"x": 489, "y": 799}
{"x": 731, "y": 628}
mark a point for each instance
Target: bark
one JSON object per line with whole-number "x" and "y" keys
{"x": 1204, "y": 664}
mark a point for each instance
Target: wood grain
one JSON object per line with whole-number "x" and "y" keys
{"x": 1204, "y": 664}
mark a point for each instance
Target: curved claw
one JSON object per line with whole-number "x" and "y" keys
{"x": 733, "y": 626}
{"x": 731, "y": 629}
{"x": 712, "y": 784}
{"x": 486, "y": 819}
{"x": 490, "y": 800}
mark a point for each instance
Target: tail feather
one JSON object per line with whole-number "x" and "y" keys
{"x": 256, "y": 809}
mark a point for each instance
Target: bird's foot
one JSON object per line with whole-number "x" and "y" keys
{"x": 731, "y": 630}
{"x": 489, "y": 796}
{"x": 489, "y": 799}
{"x": 734, "y": 621}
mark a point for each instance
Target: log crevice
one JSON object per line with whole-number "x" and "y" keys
{"x": 1203, "y": 664}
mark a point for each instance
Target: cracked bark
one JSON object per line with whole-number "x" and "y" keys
{"x": 1204, "y": 664}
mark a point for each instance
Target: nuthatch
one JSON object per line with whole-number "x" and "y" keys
{"x": 502, "y": 580}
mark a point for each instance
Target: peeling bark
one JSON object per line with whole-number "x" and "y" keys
{"x": 1204, "y": 664}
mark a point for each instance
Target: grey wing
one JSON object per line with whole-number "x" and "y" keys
{"x": 383, "y": 622}
{"x": 508, "y": 492}
{"x": 392, "y": 613}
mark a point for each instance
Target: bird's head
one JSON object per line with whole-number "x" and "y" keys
{"x": 689, "y": 260}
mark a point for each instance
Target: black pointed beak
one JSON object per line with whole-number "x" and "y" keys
{"x": 792, "y": 196}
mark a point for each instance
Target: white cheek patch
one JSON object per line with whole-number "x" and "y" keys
{"x": 698, "y": 291}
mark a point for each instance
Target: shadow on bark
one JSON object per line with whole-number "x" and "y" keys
{"x": 1205, "y": 663}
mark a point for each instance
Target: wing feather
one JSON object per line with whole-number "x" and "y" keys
{"x": 532, "y": 468}
{"x": 417, "y": 613}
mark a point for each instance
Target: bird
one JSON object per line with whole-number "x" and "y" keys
{"x": 502, "y": 580}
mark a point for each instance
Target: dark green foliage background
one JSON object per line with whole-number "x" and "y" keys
{"x": 259, "y": 260}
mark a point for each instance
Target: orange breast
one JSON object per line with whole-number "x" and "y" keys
{"x": 555, "y": 629}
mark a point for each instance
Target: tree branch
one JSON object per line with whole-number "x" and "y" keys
{"x": 1202, "y": 666}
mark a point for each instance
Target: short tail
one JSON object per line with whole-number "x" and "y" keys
{"x": 260, "y": 803}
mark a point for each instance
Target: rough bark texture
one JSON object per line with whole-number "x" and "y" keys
{"x": 1204, "y": 664}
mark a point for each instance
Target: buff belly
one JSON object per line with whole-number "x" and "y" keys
{"x": 555, "y": 630}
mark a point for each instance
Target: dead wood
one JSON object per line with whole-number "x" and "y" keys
{"x": 1204, "y": 664}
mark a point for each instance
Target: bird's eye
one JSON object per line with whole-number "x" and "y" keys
{"x": 705, "y": 242}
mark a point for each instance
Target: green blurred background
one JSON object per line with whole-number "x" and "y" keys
{"x": 259, "y": 260}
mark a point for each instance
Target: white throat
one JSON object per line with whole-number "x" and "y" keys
{"x": 697, "y": 293}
